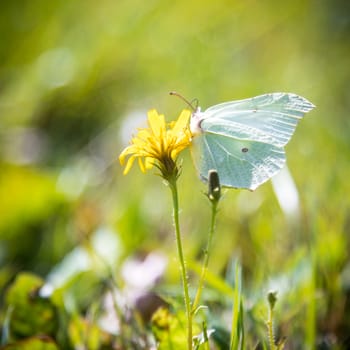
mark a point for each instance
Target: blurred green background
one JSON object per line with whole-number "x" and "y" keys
{"x": 76, "y": 80}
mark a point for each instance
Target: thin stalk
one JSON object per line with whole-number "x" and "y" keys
{"x": 270, "y": 330}
{"x": 206, "y": 256}
{"x": 272, "y": 299}
{"x": 173, "y": 187}
{"x": 237, "y": 329}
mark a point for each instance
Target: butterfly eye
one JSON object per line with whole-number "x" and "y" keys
{"x": 244, "y": 150}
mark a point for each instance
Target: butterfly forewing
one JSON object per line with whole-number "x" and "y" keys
{"x": 270, "y": 118}
{"x": 277, "y": 101}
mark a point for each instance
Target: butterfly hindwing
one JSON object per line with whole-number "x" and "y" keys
{"x": 240, "y": 164}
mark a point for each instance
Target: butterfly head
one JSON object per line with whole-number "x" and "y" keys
{"x": 196, "y": 120}
{"x": 196, "y": 117}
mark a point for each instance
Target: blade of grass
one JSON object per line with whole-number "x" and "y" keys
{"x": 310, "y": 321}
{"x": 237, "y": 333}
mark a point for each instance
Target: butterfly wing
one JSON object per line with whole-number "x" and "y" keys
{"x": 243, "y": 140}
{"x": 270, "y": 118}
{"x": 240, "y": 164}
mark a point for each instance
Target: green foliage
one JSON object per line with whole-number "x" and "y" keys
{"x": 169, "y": 329}
{"x": 34, "y": 343}
{"x": 82, "y": 334}
{"x": 28, "y": 313}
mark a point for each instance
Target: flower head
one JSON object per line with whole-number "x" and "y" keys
{"x": 158, "y": 145}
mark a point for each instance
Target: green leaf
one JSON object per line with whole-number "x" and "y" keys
{"x": 169, "y": 329}
{"x": 29, "y": 314}
{"x": 35, "y": 343}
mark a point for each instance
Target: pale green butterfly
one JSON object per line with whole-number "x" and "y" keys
{"x": 244, "y": 140}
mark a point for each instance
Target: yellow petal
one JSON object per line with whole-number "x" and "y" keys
{"x": 141, "y": 165}
{"x": 138, "y": 143}
{"x": 121, "y": 159}
{"x": 129, "y": 164}
{"x": 182, "y": 122}
{"x": 128, "y": 150}
{"x": 149, "y": 162}
{"x": 143, "y": 135}
{"x": 157, "y": 123}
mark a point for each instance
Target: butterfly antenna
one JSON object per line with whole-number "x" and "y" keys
{"x": 196, "y": 102}
{"x": 190, "y": 104}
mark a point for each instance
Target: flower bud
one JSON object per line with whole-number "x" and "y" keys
{"x": 214, "y": 188}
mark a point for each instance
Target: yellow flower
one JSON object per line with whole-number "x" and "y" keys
{"x": 159, "y": 144}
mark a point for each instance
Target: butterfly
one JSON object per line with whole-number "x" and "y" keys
{"x": 244, "y": 140}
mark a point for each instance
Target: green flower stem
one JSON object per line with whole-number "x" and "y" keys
{"x": 272, "y": 299}
{"x": 270, "y": 330}
{"x": 206, "y": 256}
{"x": 173, "y": 187}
